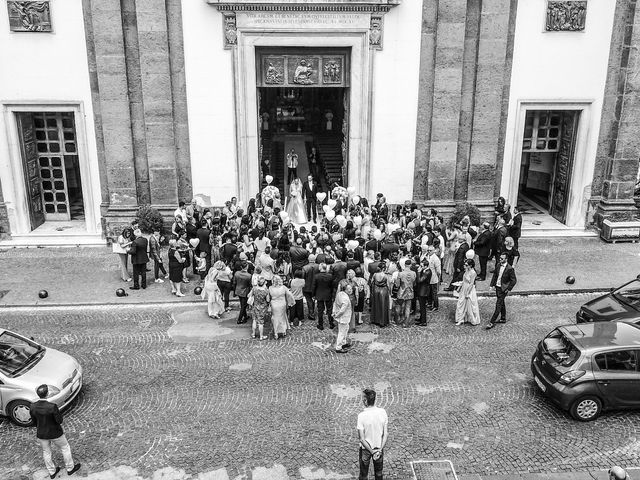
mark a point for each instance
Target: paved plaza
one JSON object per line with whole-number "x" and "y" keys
{"x": 169, "y": 394}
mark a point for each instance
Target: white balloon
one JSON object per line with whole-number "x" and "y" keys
{"x": 357, "y": 220}
{"x": 332, "y": 203}
{"x": 330, "y": 215}
{"x": 326, "y": 208}
{"x": 283, "y": 215}
{"x": 356, "y": 199}
{"x": 351, "y": 190}
{"x": 342, "y": 221}
{"x": 269, "y": 179}
{"x": 470, "y": 254}
{"x": 321, "y": 196}
{"x": 194, "y": 242}
{"x": 352, "y": 244}
{"x": 377, "y": 234}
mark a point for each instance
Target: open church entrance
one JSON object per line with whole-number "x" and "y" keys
{"x": 303, "y": 106}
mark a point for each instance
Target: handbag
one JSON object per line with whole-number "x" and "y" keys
{"x": 115, "y": 246}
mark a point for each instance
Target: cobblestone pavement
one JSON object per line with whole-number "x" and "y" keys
{"x": 91, "y": 275}
{"x": 241, "y": 408}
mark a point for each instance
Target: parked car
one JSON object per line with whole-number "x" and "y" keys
{"x": 25, "y": 365}
{"x": 622, "y": 303}
{"x": 590, "y": 367}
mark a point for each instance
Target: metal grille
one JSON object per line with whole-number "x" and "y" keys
{"x": 55, "y": 142}
{"x": 433, "y": 470}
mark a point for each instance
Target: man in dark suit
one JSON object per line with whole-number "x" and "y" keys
{"x": 482, "y": 247}
{"x": 139, "y": 259}
{"x": 309, "y": 272}
{"x": 309, "y": 191}
{"x": 242, "y": 287}
{"x": 48, "y": 420}
{"x": 504, "y": 279}
{"x": 299, "y": 256}
{"x": 499, "y": 235}
{"x": 322, "y": 290}
{"x": 203, "y": 234}
{"x": 458, "y": 263}
{"x": 515, "y": 226}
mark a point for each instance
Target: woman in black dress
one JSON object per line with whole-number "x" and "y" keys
{"x": 176, "y": 265}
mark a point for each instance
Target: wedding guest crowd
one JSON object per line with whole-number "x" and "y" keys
{"x": 360, "y": 257}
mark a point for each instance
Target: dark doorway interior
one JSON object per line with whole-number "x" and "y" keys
{"x": 303, "y": 119}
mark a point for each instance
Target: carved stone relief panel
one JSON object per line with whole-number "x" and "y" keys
{"x": 332, "y": 70}
{"x": 29, "y": 16}
{"x": 230, "y": 32}
{"x": 375, "y": 31}
{"x": 273, "y": 70}
{"x": 303, "y": 70}
{"x": 566, "y": 15}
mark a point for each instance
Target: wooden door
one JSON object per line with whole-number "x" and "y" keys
{"x": 32, "y": 180}
{"x": 564, "y": 166}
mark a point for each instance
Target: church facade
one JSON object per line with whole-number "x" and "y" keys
{"x": 112, "y": 104}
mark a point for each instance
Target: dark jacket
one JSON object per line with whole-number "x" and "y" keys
{"x": 422, "y": 282}
{"x": 515, "y": 230}
{"x": 482, "y": 245}
{"x": 322, "y": 286}
{"x": 310, "y": 193}
{"x": 299, "y": 257}
{"x": 203, "y": 235}
{"x": 498, "y": 240}
{"x": 48, "y": 420}
{"x": 309, "y": 271}
{"x": 339, "y": 270}
{"x": 373, "y": 267}
{"x": 508, "y": 280}
{"x": 242, "y": 283}
{"x": 460, "y": 257}
{"x": 138, "y": 251}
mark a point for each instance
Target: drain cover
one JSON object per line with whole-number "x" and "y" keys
{"x": 433, "y": 470}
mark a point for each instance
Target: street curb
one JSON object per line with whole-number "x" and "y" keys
{"x": 174, "y": 304}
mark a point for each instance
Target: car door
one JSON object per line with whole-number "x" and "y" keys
{"x": 617, "y": 377}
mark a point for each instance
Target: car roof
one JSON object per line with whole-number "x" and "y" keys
{"x": 598, "y": 335}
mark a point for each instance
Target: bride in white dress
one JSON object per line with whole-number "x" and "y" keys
{"x": 295, "y": 205}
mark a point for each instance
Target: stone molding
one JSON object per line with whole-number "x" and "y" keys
{"x": 373, "y": 6}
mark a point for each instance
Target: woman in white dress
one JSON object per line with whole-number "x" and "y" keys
{"x": 295, "y": 206}
{"x": 467, "y": 306}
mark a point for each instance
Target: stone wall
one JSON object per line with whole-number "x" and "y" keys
{"x": 465, "y": 73}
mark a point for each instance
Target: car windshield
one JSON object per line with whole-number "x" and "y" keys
{"x": 16, "y": 353}
{"x": 629, "y": 294}
{"x": 560, "y": 348}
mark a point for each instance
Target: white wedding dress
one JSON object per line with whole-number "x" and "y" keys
{"x": 295, "y": 206}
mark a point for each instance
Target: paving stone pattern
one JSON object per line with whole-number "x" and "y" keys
{"x": 461, "y": 393}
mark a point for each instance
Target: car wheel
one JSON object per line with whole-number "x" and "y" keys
{"x": 20, "y": 413}
{"x": 586, "y": 409}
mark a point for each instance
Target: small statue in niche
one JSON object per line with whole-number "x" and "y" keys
{"x": 329, "y": 117}
{"x": 375, "y": 33}
{"x": 265, "y": 121}
{"x": 332, "y": 72}
{"x": 230, "y": 33}
{"x": 272, "y": 74}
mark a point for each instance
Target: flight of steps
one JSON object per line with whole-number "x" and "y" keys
{"x": 330, "y": 152}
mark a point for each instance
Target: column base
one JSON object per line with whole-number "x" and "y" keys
{"x": 618, "y": 211}
{"x": 115, "y": 219}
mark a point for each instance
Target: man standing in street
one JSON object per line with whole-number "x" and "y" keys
{"x": 309, "y": 192}
{"x": 482, "y": 247}
{"x": 242, "y": 287}
{"x": 373, "y": 434}
{"x": 405, "y": 281}
{"x": 504, "y": 279}
{"x": 292, "y": 166}
{"x": 309, "y": 272}
{"x": 322, "y": 291}
{"x": 48, "y": 420}
{"x": 435, "y": 266}
{"x": 139, "y": 259}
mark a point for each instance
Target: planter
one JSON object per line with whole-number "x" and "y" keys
{"x": 620, "y": 231}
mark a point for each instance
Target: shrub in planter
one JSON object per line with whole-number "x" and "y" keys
{"x": 149, "y": 219}
{"x": 464, "y": 209}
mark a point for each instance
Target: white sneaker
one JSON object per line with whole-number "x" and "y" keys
{"x": 159, "y": 280}
{"x": 178, "y": 294}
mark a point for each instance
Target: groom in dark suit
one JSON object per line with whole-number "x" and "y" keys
{"x": 504, "y": 279}
{"x": 309, "y": 190}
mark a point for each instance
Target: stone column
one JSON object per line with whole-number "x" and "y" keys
{"x": 619, "y": 143}
{"x": 153, "y": 43}
{"x": 493, "y": 71}
{"x": 447, "y": 97}
{"x": 103, "y": 20}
